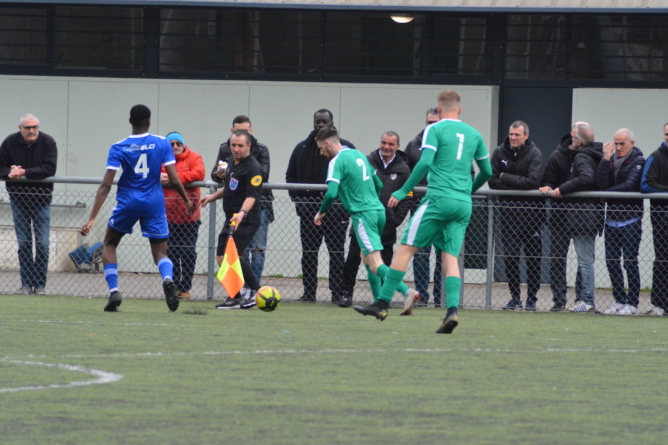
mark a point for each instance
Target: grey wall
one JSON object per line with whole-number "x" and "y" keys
{"x": 87, "y": 115}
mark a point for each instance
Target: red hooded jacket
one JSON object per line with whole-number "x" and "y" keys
{"x": 190, "y": 168}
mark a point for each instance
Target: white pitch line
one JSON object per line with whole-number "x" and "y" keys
{"x": 91, "y": 322}
{"x": 347, "y": 351}
{"x": 103, "y": 377}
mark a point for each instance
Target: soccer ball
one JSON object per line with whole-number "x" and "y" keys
{"x": 267, "y": 298}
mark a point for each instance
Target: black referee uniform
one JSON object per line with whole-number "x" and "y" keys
{"x": 242, "y": 180}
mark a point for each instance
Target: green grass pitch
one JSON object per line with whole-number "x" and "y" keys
{"x": 311, "y": 374}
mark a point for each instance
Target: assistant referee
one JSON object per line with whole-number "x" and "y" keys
{"x": 242, "y": 193}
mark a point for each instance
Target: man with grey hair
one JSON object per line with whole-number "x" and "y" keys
{"x": 30, "y": 154}
{"x": 620, "y": 170}
{"x": 517, "y": 165}
{"x": 572, "y": 168}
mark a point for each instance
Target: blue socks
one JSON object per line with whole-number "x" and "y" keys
{"x": 166, "y": 268}
{"x": 111, "y": 275}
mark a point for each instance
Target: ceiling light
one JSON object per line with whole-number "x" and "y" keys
{"x": 400, "y": 18}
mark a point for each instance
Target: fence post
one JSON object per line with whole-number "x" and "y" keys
{"x": 490, "y": 252}
{"x": 212, "y": 269}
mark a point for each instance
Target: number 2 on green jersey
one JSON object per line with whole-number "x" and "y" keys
{"x": 361, "y": 163}
{"x": 461, "y": 146}
{"x": 142, "y": 166}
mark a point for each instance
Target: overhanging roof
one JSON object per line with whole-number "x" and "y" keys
{"x": 524, "y": 6}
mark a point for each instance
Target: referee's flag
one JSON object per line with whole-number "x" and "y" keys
{"x": 230, "y": 274}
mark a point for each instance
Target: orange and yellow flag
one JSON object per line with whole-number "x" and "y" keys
{"x": 230, "y": 274}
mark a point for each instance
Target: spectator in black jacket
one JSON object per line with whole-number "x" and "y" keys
{"x": 655, "y": 180}
{"x": 572, "y": 168}
{"x": 33, "y": 155}
{"x": 308, "y": 166}
{"x": 421, "y": 258}
{"x": 392, "y": 170}
{"x": 255, "y": 252}
{"x": 516, "y": 165}
{"x": 620, "y": 170}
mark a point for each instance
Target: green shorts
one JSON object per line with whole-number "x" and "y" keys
{"x": 368, "y": 227}
{"x": 439, "y": 221}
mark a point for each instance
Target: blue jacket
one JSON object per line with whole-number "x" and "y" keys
{"x": 655, "y": 175}
{"x": 628, "y": 180}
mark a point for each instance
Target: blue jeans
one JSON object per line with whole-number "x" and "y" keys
{"x": 421, "y": 274}
{"x": 26, "y": 219}
{"x": 624, "y": 242}
{"x": 182, "y": 250}
{"x": 584, "y": 247}
{"x": 257, "y": 246}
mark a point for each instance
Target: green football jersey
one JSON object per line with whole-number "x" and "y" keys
{"x": 352, "y": 171}
{"x": 456, "y": 145}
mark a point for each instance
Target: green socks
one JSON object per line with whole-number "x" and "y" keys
{"x": 452, "y": 287}
{"x": 383, "y": 270}
{"x": 392, "y": 282}
{"x": 374, "y": 282}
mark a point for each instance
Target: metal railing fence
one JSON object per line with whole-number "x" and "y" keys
{"x": 506, "y": 229}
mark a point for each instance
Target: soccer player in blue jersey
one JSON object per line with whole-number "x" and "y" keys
{"x": 139, "y": 198}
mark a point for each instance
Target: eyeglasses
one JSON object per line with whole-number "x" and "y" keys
{"x": 431, "y": 122}
{"x": 32, "y": 127}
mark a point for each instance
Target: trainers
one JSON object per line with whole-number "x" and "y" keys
{"x": 115, "y": 300}
{"x": 614, "y": 309}
{"x": 411, "y": 297}
{"x": 305, "y": 299}
{"x": 378, "y": 309}
{"x": 450, "y": 322}
{"x": 39, "y": 291}
{"x": 628, "y": 309}
{"x": 231, "y": 303}
{"x": 530, "y": 305}
{"x": 183, "y": 295}
{"x": 170, "y": 295}
{"x": 345, "y": 302}
{"x": 249, "y": 302}
{"x": 655, "y": 312}
{"x": 24, "y": 290}
{"x": 558, "y": 307}
{"x": 582, "y": 307}
{"x": 513, "y": 304}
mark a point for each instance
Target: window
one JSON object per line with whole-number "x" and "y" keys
{"x": 535, "y": 47}
{"x": 99, "y": 38}
{"x": 22, "y": 36}
{"x": 620, "y": 47}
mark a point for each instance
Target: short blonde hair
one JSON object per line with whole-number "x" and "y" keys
{"x": 449, "y": 99}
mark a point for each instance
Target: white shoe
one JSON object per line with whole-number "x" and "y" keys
{"x": 409, "y": 300}
{"x": 627, "y": 309}
{"x": 614, "y": 309}
{"x": 655, "y": 312}
{"x": 582, "y": 307}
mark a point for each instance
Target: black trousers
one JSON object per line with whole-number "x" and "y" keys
{"x": 242, "y": 237}
{"x": 514, "y": 237}
{"x": 333, "y": 230}
{"x": 353, "y": 261}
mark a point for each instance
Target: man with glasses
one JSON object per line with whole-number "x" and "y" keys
{"x": 572, "y": 168}
{"x": 30, "y": 154}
